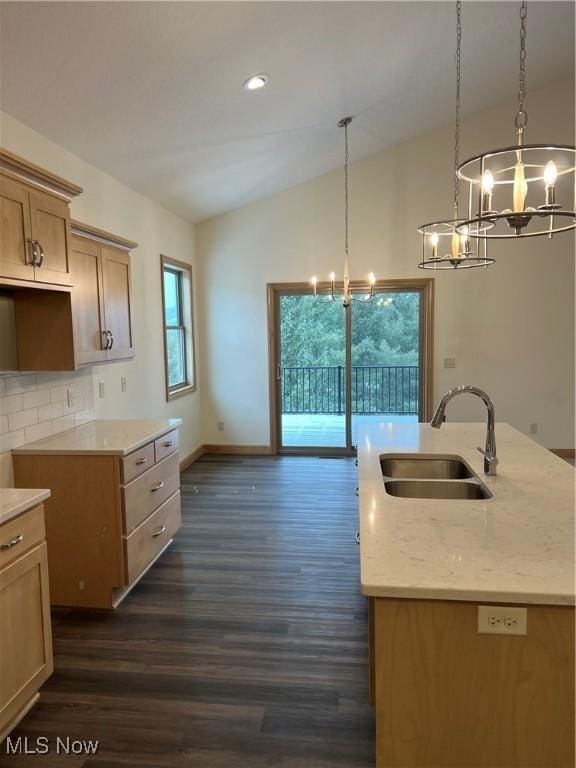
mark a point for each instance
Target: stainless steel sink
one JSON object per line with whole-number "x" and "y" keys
{"x": 424, "y": 467}
{"x": 437, "y": 489}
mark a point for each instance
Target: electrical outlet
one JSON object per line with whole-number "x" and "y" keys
{"x": 534, "y": 428}
{"x": 101, "y": 390}
{"x": 220, "y": 426}
{"x": 123, "y": 386}
{"x": 70, "y": 397}
{"x": 449, "y": 362}
{"x": 502, "y": 620}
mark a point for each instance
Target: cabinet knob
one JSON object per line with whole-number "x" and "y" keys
{"x": 157, "y": 486}
{"x": 159, "y": 531}
{"x": 16, "y": 540}
{"x": 142, "y": 461}
{"x": 168, "y": 444}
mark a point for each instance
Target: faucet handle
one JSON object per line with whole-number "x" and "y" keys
{"x": 491, "y": 458}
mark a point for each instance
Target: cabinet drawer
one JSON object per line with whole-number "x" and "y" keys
{"x": 166, "y": 445}
{"x": 137, "y": 463}
{"x": 143, "y": 495}
{"x": 144, "y": 543}
{"x": 20, "y": 534}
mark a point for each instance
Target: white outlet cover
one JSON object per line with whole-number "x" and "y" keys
{"x": 502, "y": 620}
{"x": 449, "y": 362}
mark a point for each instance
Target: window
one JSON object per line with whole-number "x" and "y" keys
{"x": 178, "y": 327}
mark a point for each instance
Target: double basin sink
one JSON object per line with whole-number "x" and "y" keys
{"x": 431, "y": 476}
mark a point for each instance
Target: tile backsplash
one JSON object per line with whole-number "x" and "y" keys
{"x": 36, "y": 405}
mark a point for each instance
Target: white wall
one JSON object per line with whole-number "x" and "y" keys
{"x": 510, "y": 328}
{"x": 107, "y": 204}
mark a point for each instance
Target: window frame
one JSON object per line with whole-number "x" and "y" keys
{"x": 185, "y": 297}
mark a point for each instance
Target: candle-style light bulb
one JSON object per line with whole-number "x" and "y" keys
{"x": 520, "y": 188}
{"x": 332, "y": 276}
{"x": 550, "y": 176}
{"x": 314, "y": 282}
{"x": 550, "y": 173}
{"x": 434, "y": 239}
{"x": 455, "y": 244}
{"x": 372, "y": 278}
{"x": 464, "y": 240}
{"x": 487, "y": 189}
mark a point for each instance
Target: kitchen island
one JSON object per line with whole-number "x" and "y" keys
{"x": 448, "y": 691}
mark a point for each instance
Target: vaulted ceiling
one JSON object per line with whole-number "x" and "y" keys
{"x": 151, "y": 92}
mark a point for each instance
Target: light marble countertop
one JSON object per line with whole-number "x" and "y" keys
{"x": 13, "y": 501}
{"x": 516, "y": 547}
{"x": 115, "y": 437}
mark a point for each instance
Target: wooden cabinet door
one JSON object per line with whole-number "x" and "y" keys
{"x": 87, "y": 301}
{"x": 117, "y": 302}
{"x": 50, "y": 219}
{"x": 15, "y": 231}
{"x": 25, "y": 632}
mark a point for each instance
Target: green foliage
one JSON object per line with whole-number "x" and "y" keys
{"x": 384, "y": 331}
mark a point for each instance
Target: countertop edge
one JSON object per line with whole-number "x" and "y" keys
{"x": 468, "y": 596}
{"x": 40, "y": 495}
{"x": 32, "y": 450}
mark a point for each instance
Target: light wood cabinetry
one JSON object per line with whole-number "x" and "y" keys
{"x": 448, "y": 696}
{"x": 102, "y": 299}
{"x": 35, "y": 218}
{"x": 25, "y": 627}
{"x": 108, "y": 519}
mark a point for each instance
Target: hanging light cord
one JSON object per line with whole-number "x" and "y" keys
{"x": 346, "y": 187}
{"x": 521, "y": 115}
{"x": 457, "y": 120}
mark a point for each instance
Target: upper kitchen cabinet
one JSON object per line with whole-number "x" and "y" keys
{"x": 35, "y": 217}
{"x": 102, "y": 298}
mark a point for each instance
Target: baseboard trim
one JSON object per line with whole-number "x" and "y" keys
{"x": 564, "y": 453}
{"x": 188, "y": 460}
{"x": 254, "y": 450}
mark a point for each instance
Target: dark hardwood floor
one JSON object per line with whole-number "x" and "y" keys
{"x": 245, "y": 646}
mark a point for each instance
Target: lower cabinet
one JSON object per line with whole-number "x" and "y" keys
{"x": 25, "y": 625}
{"x": 108, "y": 519}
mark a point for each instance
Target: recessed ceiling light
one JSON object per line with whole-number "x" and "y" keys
{"x": 255, "y": 82}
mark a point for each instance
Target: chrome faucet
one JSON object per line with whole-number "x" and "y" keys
{"x": 489, "y": 452}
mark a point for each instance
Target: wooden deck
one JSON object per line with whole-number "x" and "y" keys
{"x": 318, "y": 430}
{"x": 245, "y": 646}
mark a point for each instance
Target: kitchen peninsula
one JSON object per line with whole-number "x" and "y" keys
{"x": 450, "y": 690}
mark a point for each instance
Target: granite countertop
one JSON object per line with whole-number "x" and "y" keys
{"x": 116, "y": 437}
{"x": 517, "y": 546}
{"x": 13, "y": 501}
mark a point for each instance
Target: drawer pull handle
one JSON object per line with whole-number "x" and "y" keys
{"x": 157, "y": 486}
{"x": 169, "y": 444}
{"x": 13, "y": 543}
{"x": 142, "y": 461}
{"x": 159, "y": 531}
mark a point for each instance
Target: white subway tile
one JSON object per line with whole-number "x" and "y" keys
{"x": 57, "y": 394}
{"x": 83, "y": 417}
{"x": 63, "y": 423}
{"x": 12, "y": 440}
{"x": 11, "y": 404}
{"x": 38, "y": 431}
{"x": 36, "y": 398}
{"x": 22, "y": 419}
{"x": 77, "y": 405}
{"x": 24, "y": 383}
{"x": 47, "y": 380}
{"x": 52, "y": 411}
{"x": 3, "y": 424}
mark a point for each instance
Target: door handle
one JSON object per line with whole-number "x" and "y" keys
{"x": 141, "y": 461}
{"x": 278, "y": 372}
{"x": 32, "y": 253}
{"x": 104, "y": 339}
{"x": 111, "y": 339}
{"x": 157, "y": 486}
{"x": 16, "y": 540}
{"x": 40, "y": 255}
{"x": 159, "y": 531}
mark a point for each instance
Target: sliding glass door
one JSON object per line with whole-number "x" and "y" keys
{"x": 334, "y": 369}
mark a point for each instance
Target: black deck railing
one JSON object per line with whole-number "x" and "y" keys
{"x": 375, "y": 389}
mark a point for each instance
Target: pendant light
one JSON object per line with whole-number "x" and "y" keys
{"x": 347, "y": 295}
{"x": 447, "y": 244}
{"x": 526, "y": 190}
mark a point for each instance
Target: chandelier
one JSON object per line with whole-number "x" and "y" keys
{"x": 347, "y": 295}
{"x": 525, "y": 190}
{"x": 448, "y": 244}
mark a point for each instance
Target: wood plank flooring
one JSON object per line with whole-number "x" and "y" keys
{"x": 245, "y": 646}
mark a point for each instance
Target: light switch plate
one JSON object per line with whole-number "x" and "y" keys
{"x": 502, "y": 620}
{"x": 449, "y": 362}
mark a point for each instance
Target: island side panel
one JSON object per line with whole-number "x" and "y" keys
{"x": 449, "y": 696}
{"x": 83, "y": 524}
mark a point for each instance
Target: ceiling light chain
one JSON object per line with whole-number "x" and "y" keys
{"x": 522, "y": 116}
{"x": 457, "y": 115}
{"x": 346, "y": 295}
